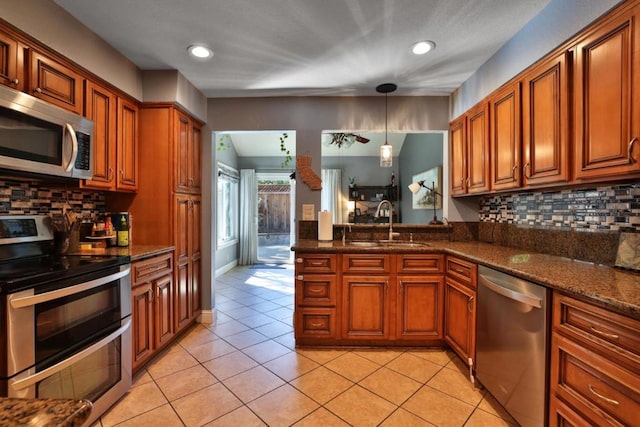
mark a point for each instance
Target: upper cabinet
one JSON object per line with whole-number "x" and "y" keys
{"x": 127, "y": 147}
{"x": 10, "y": 64}
{"x": 188, "y": 145}
{"x": 55, "y": 82}
{"x": 545, "y": 122}
{"x": 469, "y": 150}
{"x": 504, "y": 110}
{"x": 607, "y": 100}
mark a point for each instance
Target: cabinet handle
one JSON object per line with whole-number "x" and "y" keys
{"x": 300, "y": 277}
{"x": 526, "y": 166}
{"x": 462, "y": 183}
{"x": 630, "y": 150}
{"x": 513, "y": 171}
{"x": 150, "y": 294}
{"x": 299, "y": 260}
{"x": 121, "y": 174}
{"x": 38, "y": 90}
{"x": 15, "y": 81}
{"x": 458, "y": 270}
{"x": 110, "y": 174}
{"x": 468, "y": 182}
{"x": 606, "y": 399}
{"x": 316, "y": 324}
{"x": 469, "y": 305}
{"x": 604, "y": 334}
{"x": 315, "y": 291}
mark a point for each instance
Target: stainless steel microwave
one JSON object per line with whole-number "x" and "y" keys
{"x": 41, "y": 138}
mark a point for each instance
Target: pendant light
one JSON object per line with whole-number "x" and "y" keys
{"x": 386, "y": 150}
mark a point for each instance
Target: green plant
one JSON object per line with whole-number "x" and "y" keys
{"x": 284, "y": 149}
{"x": 223, "y": 143}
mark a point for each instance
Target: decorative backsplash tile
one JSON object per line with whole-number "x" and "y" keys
{"x": 599, "y": 208}
{"x": 35, "y": 198}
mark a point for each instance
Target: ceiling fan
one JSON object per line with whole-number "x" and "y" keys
{"x": 346, "y": 139}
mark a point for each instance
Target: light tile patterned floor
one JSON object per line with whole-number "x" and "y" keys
{"x": 245, "y": 371}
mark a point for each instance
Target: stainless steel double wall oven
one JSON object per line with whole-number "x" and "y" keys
{"x": 66, "y": 320}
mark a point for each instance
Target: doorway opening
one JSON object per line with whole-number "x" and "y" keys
{"x": 275, "y": 218}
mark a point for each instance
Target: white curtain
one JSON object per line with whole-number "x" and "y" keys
{"x": 248, "y": 217}
{"x": 331, "y": 196}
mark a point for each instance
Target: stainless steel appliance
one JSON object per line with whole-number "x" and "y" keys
{"x": 41, "y": 138}
{"x": 66, "y": 319}
{"x": 512, "y": 344}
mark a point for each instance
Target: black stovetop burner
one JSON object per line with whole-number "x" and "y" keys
{"x": 27, "y": 258}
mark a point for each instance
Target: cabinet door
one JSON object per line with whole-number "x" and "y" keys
{"x": 477, "y": 151}
{"x": 163, "y": 309}
{"x": 182, "y": 296}
{"x": 366, "y": 307}
{"x": 9, "y": 62}
{"x": 607, "y": 100}
{"x": 458, "y": 155}
{"x": 100, "y": 107}
{"x": 182, "y": 143}
{"x": 55, "y": 83}
{"x": 181, "y": 229}
{"x": 142, "y": 315}
{"x": 505, "y": 137}
{"x": 460, "y": 318}
{"x": 420, "y": 300}
{"x": 195, "y": 255}
{"x": 127, "y": 151}
{"x": 545, "y": 122}
{"x": 195, "y": 174}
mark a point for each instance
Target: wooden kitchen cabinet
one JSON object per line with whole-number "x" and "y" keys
{"x": 188, "y": 148}
{"x": 545, "y": 122}
{"x": 127, "y": 145}
{"x": 420, "y": 292}
{"x": 460, "y": 290}
{"x": 316, "y": 293}
{"x": 504, "y": 110}
{"x": 152, "y": 306}
{"x": 11, "y": 62}
{"x": 188, "y": 254}
{"x": 595, "y": 365}
{"x": 469, "y": 146}
{"x": 366, "y": 307}
{"x": 607, "y": 100}
{"x": 55, "y": 82}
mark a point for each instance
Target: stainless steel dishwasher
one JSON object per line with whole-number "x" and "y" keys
{"x": 511, "y": 344}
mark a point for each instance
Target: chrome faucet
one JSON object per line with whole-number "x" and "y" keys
{"x": 390, "y": 216}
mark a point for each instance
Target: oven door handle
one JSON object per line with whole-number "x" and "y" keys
{"x": 27, "y": 301}
{"x": 31, "y": 380}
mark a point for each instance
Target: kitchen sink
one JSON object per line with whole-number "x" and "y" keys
{"x": 364, "y": 243}
{"x": 400, "y": 244}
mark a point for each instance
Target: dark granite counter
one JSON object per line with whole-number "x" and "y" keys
{"x": 610, "y": 287}
{"x": 136, "y": 252}
{"x": 44, "y": 412}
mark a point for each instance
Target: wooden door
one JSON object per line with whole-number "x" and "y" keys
{"x": 182, "y": 292}
{"x": 127, "y": 151}
{"x": 195, "y": 255}
{"x": 142, "y": 315}
{"x": 366, "y": 307}
{"x": 163, "y": 309}
{"x": 182, "y": 152}
{"x": 478, "y": 151}
{"x": 458, "y": 155}
{"x": 100, "y": 107}
{"x": 607, "y": 101}
{"x": 9, "y": 74}
{"x": 420, "y": 300}
{"x": 55, "y": 83}
{"x": 545, "y": 122}
{"x": 460, "y": 318}
{"x": 196, "y": 156}
{"x": 505, "y": 137}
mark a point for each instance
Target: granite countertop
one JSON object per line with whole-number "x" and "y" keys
{"x": 43, "y": 412}
{"x": 136, "y": 252}
{"x": 610, "y": 287}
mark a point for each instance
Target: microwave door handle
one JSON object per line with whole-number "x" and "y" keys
{"x": 74, "y": 146}
{"x": 30, "y": 300}
{"x": 32, "y": 379}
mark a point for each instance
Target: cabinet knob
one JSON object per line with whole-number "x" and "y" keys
{"x": 300, "y": 277}
{"x": 469, "y": 305}
{"x": 15, "y": 81}
{"x": 298, "y": 260}
{"x": 38, "y": 90}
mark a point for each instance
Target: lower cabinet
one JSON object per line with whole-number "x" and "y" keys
{"x": 595, "y": 365}
{"x": 152, "y": 306}
{"x": 460, "y": 307}
{"x": 366, "y": 307}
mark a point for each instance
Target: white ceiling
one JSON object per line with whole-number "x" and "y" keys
{"x": 309, "y": 47}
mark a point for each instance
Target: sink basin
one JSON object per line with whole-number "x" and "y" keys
{"x": 401, "y": 244}
{"x": 363, "y": 243}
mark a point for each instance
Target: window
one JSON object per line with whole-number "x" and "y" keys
{"x": 227, "y": 205}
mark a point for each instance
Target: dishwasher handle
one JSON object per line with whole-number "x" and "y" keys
{"x": 510, "y": 293}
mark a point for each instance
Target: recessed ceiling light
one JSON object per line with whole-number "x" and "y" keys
{"x": 200, "y": 51}
{"x": 422, "y": 47}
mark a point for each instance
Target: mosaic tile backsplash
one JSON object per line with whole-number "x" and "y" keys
{"x": 35, "y": 198}
{"x": 609, "y": 208}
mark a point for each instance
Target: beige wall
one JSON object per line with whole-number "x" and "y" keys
{"x": 48, "y": 23}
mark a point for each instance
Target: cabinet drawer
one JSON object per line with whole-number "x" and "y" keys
{"x": 316, "y": 289}
{"x": 315, "y": 323}
{"x": 419, "y": 263}
{"x": 613, "y": 335}
{"x": 561, "y": 415}
{"x": 592, "y": 384}
{"x": 149, "y": 269}
{"x": 466, "y": 272}
{"x": 366, "y": 263}
{"x": 316, "y": 263}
